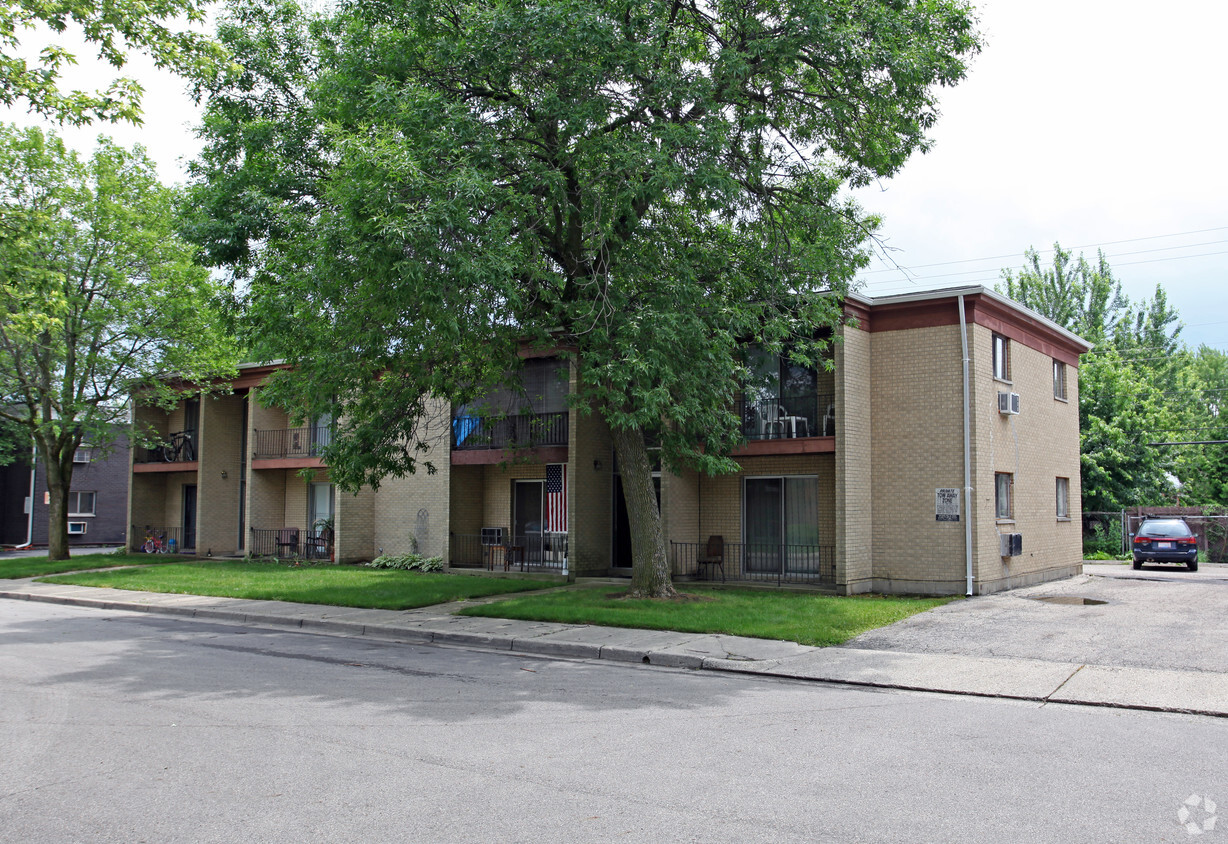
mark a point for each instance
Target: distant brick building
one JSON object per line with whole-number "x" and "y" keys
{"x": 98, "y": 499}
{"x": 853, "y": 476}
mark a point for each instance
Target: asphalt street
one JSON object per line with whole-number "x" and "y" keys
{"x": 122, "y": 726}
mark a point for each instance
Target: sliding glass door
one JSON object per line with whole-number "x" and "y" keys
{"x": 781, "y": 523}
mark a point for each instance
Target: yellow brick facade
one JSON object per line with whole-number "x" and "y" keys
{"x": 898, "y": 403}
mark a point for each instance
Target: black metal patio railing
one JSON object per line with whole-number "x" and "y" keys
{"x": 154, "y": 539}
{"x": 542, "y": 552}
{"x": 291, "y": 543}
{"x": 292, "y": 442}
{"x": 523, "y": 431}
{"x": 785, "y": 417}
{"x": 760, "y": 562}
{"x": 179, "y": 447}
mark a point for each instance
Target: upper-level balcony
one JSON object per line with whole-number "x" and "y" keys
{"x": 531, "y": 430}
{"x": 178, "y": 447}
{"x": 788, "y": 417}
{"x": 292, "y": 443}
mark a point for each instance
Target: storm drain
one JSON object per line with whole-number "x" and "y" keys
{"x": 1071, "y": 599}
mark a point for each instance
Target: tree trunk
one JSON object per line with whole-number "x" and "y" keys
{"x": 650, "y": 577}
{"x": 58, "y": 482}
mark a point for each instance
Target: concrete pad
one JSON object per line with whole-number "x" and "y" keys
{"x": 698, "y": 648}
{"x": 1027, "y": 679}
{"x": 1146, "y": 688}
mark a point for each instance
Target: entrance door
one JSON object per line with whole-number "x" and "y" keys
{"x": 621, "y": 552}
{"x": 528, "y": 518}
{"x": 189, "y": 517}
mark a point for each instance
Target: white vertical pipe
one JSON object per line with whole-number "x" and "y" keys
{"x": 963, "y": 337}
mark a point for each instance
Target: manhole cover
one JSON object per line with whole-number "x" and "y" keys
{"x": 1071, "y": 599}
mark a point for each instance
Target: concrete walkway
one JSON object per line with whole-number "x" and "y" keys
{"x": 1199, "y": 692}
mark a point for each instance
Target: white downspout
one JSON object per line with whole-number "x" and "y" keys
{"x": 30, "y": 517}
{"x": 963, "y": 337}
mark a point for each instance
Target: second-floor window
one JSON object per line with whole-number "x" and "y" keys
{"x": 781, "y": 399}
{"x": 1059, "y": 380}
{"x": 1001, "y": 358}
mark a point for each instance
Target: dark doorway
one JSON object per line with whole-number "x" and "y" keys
{"x": 189, "y": 517}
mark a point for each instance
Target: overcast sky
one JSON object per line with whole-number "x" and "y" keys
{"x": 1088, "y": 122}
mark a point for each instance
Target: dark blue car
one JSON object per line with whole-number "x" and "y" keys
{"x": 1165, "y": 541}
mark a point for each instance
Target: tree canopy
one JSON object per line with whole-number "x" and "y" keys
{"x": 1134, "y": 385}
{"x": 99, "y": 298}
{"x": 417, "y": 190}
{"x": 114, "y": 28}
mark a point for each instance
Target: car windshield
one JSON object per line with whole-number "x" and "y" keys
{"x": 1165, "y": 528}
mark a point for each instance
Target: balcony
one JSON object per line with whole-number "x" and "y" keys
{"x": 292, "y": 443}
{"x": 758, "y": 562}
{"x": 788, "y": 417}
{"x": 179, "y": 447}
{"x": 534, "y": 430}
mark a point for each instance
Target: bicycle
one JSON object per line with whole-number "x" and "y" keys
{"x": 180, "y": 448}
{"x": 155, "y": 543}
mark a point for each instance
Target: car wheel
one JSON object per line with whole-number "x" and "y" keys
{"x": 1138, "y": 565}
{"x": 1193, "y": 564}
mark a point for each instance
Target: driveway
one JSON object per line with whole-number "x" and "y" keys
{"x": 1157, "y": 618}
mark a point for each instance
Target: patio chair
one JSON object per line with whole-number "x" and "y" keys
{"x": 287, "y": 542}
{"x": 714, "y": 555}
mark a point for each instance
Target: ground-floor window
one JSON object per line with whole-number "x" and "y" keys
{"x": 1002, "y": 495}
{"x": 1063, "y": 498}
{"x": 780, "y": 517}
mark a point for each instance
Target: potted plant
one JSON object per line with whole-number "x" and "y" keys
{"x": 324, "y": 528}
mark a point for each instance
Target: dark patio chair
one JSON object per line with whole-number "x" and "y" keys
{"x": 714, "y": 555}
{"x": 287, "y": 542}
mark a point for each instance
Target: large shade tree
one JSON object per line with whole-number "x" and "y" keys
{"x": 417, "y": 190}
{"x": 99, "y": 297}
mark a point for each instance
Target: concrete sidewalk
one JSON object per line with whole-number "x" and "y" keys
{"x": 1198, "y": 692}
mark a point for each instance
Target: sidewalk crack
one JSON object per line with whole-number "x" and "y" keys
{"x": 1049, "y": 696}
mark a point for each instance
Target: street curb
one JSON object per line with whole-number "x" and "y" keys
{"x": 667, "y": 658}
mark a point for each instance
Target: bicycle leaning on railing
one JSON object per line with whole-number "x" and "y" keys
{"x": 156, "y": 543}
{"x": 180, "y": 448}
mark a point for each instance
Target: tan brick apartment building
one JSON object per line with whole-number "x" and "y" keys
{"x": 853, "y": 477}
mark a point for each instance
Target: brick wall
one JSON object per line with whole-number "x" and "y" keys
{"x": 1037, "y": 446}
{"x": 917, "y": 447}
{"x": 220, "y": 438}
{"x": 415, "y": 509}
{"x": 853, "y": 462}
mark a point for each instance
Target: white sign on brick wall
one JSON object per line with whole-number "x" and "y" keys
{"x": 946, "y": 505}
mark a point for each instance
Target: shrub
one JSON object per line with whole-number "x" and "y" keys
{"x": 407, "y": 562}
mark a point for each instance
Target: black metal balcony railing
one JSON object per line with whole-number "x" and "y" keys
{"x": 151, "y": 539}
{"x": 782, "y": 417}
{"x": 761, "y": 562}
{"x": 526, "y": 431}
{"x": 179, "y": 447}
{"x": 532, "y": 552}
{"x": 292, "y": 442}
{"x": 291, "y": 543}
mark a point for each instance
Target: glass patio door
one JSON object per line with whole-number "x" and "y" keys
{"x": 781, "y": 523}
{"x": 528, "y": 517}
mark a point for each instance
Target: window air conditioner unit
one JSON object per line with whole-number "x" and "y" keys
{"x": 1011, "y": 544}
{"x": 1008, "y": 403}
{"x": 76, "y": 528}
{"x": 492, "y": 536}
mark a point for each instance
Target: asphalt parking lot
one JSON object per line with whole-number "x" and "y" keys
{"x": 1163, "y": 617}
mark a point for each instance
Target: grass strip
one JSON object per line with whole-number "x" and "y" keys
{"x": 342, "y": 586}
{"x": 801, "y": 617}
{"x": 13, "y": 567}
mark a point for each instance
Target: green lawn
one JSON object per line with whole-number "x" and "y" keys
{"x": 794, "y": 616}
{"x": 33, "y": 566}
{"x": 345, "y": 586}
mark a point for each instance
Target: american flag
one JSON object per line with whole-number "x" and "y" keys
{"x": 556, "y": 498}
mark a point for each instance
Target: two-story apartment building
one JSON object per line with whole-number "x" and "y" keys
{"x": 939, "y": 454}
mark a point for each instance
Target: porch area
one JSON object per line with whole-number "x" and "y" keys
{"x": 755, "y": 562}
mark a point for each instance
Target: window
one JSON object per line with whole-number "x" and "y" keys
{"x": 82, "y": 455}
{"x": 1063, "y": 498}
{"x": 1003, "y": 481}
{"x": 76, "y": 528}
{"x": 1059, "y": 380}
{"x": 1001, "y": 358}
{"x": 81, "y": 503}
